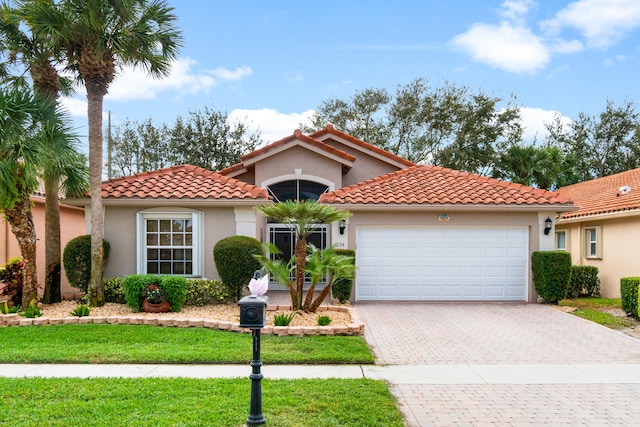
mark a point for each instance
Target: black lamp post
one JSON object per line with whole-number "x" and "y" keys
{"x": 253, "y": 315}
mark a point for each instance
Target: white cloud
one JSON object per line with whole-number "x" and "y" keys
{"x": 75, "y": 107}
{"x": 506, "y": 46}
{"x": 514, "y": 10}
{"x": 133, "y": 83}
{"x": 534, "y": 120}
{"x": 272, "y": 124}
{"x": 601, "y": 22}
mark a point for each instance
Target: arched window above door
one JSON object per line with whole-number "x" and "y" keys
{"x": 297, "y": 190}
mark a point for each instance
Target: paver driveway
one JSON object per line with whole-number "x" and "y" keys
{"x": 529, "y": 350}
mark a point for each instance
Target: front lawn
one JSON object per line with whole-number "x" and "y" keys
{"x": 161, "y": 402}
{"x": 598, "y": 310}
{"x": 106, "y": 343}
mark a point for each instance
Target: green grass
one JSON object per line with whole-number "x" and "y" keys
{"x": 601, "y": 318}
{"x": 105, "y": 343}
{"x": 591, "y": 302}
{"x": 592, "y": 309}
{"x": 184, "y": 402}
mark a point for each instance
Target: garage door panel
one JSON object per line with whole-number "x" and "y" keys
{"x": 442, "y": 264}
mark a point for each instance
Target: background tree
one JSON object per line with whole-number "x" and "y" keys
{"x": 448, "y": 125}
{"x": 206, "y": 139}
{"x": 97, "y": 38}
{"x": 34, "y": 137}
{"x": 30, "y": 52}
{"x": 302, "y": 218}
{"x": 602, "y": 144}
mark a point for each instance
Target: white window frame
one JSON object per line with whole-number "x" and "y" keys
{"x": 592, "y": 242}
{"x": 175, "y": 213}
{"x": 565, "y": 233}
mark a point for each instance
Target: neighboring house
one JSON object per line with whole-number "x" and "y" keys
{"x": 605, "y": 230}
{"x": 420, "y": 232}
{"x": 73, "y": 224}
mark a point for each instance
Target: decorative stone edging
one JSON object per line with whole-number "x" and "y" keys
{"x": 356, "y": 327}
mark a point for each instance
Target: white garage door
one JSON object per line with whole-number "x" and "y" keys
{"x": 442, "y": 264}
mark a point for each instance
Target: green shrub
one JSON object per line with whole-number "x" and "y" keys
{"x": 551, "y": 274}
{"x": 283, "y": 319}
{"x": 174, "y": 286}
{"x": 32, "y": 311}
{"x": 76, "y": 259}
{"x": 114, "y": 291}
{"x": 11, "y": 278}
{"x": 629, "y": 291}
{"x": 5, "y": 309}
{"x": 341, "y": 289}
{"x": 235, "y": 262}
{"x": 202, "y": 292}
{"x": 584, "y": 281}
{"x": 81, "y": 311}
{"x": 324, "y": 320}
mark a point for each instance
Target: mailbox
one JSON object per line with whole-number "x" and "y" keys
{"x": 253, "y": 311}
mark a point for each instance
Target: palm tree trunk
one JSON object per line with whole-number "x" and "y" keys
{"x": 301, "y": 262}
{"x": 52, "y": 292}
{"x": 311, "y": 308}
{"x": 96, "y": 287}
{"x": 20, "y": 217}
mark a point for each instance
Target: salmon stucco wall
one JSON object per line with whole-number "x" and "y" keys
{"x": 72, "y": 224}
{"x": 620, "y": 249}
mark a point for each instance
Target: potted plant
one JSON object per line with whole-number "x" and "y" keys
{"x": 155, "y": 300}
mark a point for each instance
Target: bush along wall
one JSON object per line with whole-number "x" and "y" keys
{"x": 629, "y": 290}
{"x": 341, "y": 289}
{"x": 235, "y": 262}
{"x": 551, "y": 274}
{"x": 174, "y": 286}
{"x": 76, "y": 259}
{"x": 584, "y": 281}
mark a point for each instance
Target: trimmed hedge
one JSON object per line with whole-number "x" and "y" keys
{"x": 114, "y": 291}
{"x": 201, "y": 292}
{"x": 76, "y": 259}
{"x": 174, "y": 286}
{"x": 551, "y": 274}
{"x": 235, "y": 262}
{"x": 629, "y": 290}
{"x": 584, "y": 281}
{"x": 341, "y": 289}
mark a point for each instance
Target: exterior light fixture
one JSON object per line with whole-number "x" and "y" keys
{"x": 342, "y": 226}
{"x": 548, "y": 225}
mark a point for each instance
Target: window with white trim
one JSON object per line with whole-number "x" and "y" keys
{"x": 593, "y": 242}
{"x": 561, "y": 240}
{"x": 170, "y": 243}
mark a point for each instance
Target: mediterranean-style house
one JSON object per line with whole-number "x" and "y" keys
{"x": 420, "y": 232}
{"x": 605, "y": 230}
{"x": 72, "y": 225}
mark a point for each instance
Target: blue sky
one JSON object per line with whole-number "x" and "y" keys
{"x": 274, "y": 62}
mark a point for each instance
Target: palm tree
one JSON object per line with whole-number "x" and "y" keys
{"x": 33, "y": 52}
{"x": 302, "y": 218}
{"x": 97, "y": 38}
{"x": 34, "y": 137}
{"x": 325, "y": 264}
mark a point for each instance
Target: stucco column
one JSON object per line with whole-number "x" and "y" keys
{"x": 547, "y": 241}
{"x": 245, "y": 221}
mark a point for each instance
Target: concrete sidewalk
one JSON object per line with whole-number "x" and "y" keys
{"x": 395, "y": 374}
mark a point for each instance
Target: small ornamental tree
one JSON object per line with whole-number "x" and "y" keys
{"x": 302, "y": 218}
{"x": 551, "y": 274}
{"x": 76, "y": 259}
{"x": 235, "y": 261}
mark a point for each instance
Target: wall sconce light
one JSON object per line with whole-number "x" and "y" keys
{"x": 342, "y": 225}
{"x": 548, "y": 224}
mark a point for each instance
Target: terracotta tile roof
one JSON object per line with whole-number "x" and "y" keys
{"x": 329, "y": 129}
{"x": 180, "y": 182}
{"x": 298, "y": 135}
{"x": 605, "y": 195}
{"x": 238, "y": 167}
{"x": 434, "y": 185}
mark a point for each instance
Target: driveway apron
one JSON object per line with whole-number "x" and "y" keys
{"x": 503, "y": 364}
